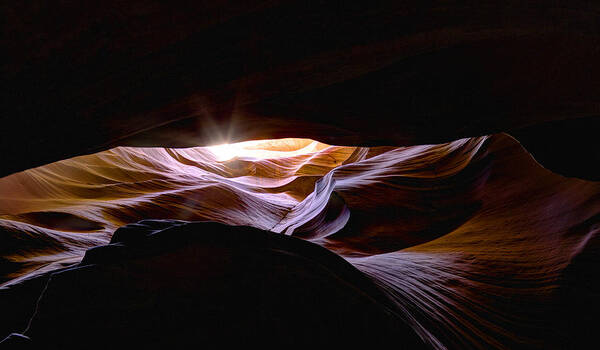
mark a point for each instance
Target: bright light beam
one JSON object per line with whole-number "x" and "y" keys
{"x": 264, "y": 149}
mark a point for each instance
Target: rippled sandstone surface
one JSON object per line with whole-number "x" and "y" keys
{"x": 471, "y": 243}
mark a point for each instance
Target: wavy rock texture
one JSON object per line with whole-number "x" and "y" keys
{"x": 474, "y": 243}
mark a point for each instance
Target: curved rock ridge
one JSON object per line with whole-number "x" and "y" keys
{"x": 473, "y": 243}
{"x": 173, "y": 283}
{"x": 66, "y": 207}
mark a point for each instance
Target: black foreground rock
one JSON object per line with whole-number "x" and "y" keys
{"x": 165, "y": 283}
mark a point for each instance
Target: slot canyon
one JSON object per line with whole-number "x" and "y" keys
{"x": 415, "y": 174}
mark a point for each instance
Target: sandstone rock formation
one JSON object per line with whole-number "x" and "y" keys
{"x": 470, "y": 243}
{"x": 438, "y": 182}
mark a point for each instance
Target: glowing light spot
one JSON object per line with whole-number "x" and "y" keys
{"x": 264, "y": 149}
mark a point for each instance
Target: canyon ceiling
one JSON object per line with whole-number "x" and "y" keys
{"x": 82, "y": 77}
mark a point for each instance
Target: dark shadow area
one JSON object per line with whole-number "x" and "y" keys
{"x": 567, "y": 147}
{"x": 170, "y": 283}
